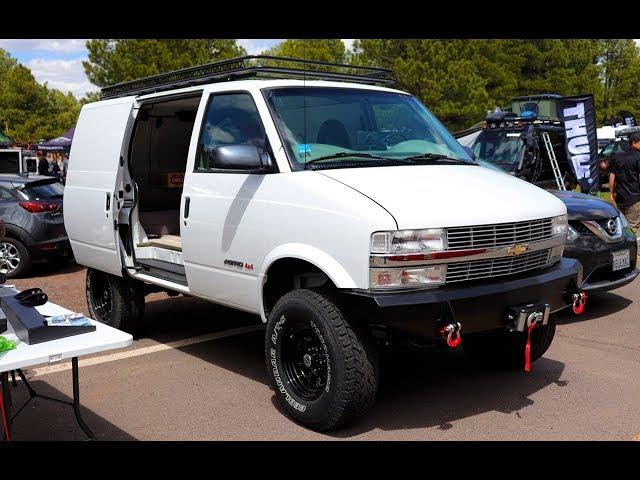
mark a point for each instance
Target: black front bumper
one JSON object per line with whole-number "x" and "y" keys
{"x": 481, "y": 306}
{"x": 595, "y": 255}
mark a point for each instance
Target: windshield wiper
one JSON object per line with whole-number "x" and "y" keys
{"x": 357, "y": 155}
{"x": 433, "y": 157}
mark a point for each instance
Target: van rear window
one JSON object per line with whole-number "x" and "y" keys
{"x": 48, "y": 189}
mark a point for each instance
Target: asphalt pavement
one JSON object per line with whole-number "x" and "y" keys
{"x": 197, "y": 373}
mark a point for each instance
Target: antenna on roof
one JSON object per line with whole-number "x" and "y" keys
{"x": 251, "y": 66}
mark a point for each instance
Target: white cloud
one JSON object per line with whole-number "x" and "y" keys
{"x": 255, "y": 46}
{"x": 64, "y": 46}
{"x": 65, "y": 75}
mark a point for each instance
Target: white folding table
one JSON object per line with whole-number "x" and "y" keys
{"x": 23, "y": 356}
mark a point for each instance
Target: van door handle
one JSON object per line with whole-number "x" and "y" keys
{"x": 187, "y": 203}
{"x": 108, "y": 203}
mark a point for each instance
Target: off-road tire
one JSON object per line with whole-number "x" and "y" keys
{"x": 349, "y": 351}
{"x": 25, "y": 257}
{"x": 507, "y": 349}
{"x": 125, "y": 307}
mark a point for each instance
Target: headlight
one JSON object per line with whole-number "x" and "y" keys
{"x": 623, "y": 219}
{"x": 408, "y": 241}
{"x": 572, "y": 234}
{"x": 559, "y": 225}
{"x": 380, "y": 278}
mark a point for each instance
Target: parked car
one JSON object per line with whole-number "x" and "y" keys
{"x": 339, "y": 210}
{"x": 31, "y": 207}
{"x": 599, "y": 237}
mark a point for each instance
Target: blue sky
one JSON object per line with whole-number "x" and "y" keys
{"x": 59, "y": 62}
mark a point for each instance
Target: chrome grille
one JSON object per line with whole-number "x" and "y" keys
{"x": 499, "y": 235}
{"x": 461, "y": 271}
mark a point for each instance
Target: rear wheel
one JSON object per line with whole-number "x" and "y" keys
{"x": 114, "y": 301}
{"x": 14, "y": 257}
{"x": 323, "y": 370}
{"x": 507, "y": 349}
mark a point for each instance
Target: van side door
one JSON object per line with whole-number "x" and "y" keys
{"x": 99, "y": 149}
{"x": 223, "y": 218}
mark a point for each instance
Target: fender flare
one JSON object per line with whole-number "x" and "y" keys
{"x": 319, "y": 258}
{"x": 19, "y": 233}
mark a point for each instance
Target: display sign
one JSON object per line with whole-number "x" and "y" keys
{"x": 579, "y": 120}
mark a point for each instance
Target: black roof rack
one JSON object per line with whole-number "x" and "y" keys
{"x": 539, "y": 96}
{"x": 251, "y": 66}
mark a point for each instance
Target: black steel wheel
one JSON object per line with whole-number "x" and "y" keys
{"x": 304, "y": 360}
{"x": 114, "y": 301}
{"x": 323, "y": 369}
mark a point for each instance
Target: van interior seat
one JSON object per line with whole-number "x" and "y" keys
{"x": 161, "y": 222}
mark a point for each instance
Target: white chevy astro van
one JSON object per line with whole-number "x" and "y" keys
{"x": 339, "y": 210}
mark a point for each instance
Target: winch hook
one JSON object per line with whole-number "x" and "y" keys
{"x": 451, "y": 333}
{"x": 579, "y": 302}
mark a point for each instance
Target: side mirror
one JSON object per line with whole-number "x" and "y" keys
{"x": 469, "y": 151}
{"x": 241, "y": 157}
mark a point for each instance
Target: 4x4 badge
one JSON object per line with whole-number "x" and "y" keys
{"x": 517, "y": 249}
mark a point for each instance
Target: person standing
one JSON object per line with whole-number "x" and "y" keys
{"x": 624, "y": 182}
{"x": 65, "y": 166}
{"x": 43, "y": 165}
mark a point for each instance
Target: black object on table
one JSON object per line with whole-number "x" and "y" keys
{"x": 29, "y": 324}
{"x": 6, "y": 393}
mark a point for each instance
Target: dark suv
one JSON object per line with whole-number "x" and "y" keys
{"x": 31, "y": 208}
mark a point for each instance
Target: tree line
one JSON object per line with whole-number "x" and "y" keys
{"x": 459, "y": 80}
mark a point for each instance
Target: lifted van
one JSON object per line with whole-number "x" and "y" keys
{"x": 339, "y": 210}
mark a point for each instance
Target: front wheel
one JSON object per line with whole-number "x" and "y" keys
{"x": 114, "y": 301}
{"x": 507, "y": 349}
{"x": 14, "y": 257}
{"x": 323, "y": 370}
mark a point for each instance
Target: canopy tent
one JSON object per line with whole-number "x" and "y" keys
{"x": 61, "y": 143}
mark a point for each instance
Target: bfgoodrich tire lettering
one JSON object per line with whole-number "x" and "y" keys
{"x": 343, "y": 384}
{"x": 117, "y": 302}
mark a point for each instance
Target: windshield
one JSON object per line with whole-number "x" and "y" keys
{"x": 499, "y": 147}
{"x": 357, "y": 125}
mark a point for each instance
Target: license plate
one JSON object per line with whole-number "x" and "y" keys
{"x": 620, "y": 260}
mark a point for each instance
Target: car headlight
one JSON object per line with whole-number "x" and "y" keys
{"x": 572, "y": 234}
{"x": 389, "y": 278}
{"x": 559, "y": 225}
{"x": 623, "y": 219}
{"x": 409, "y": 241}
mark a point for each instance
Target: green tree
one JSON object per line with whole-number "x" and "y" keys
{"x": 443, "y": 73}
{"x": 113, "y": 61}
{"x": 620, "y": 78}
{"x": 323, "y": 50}
{"x": 461, "y": 79}
{"x": 30, "y": 111}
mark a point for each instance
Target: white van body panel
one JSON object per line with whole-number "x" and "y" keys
{"x": 245, "y": 219}
{"x": 432, "y": 196}
{"x": 251, "y": 221}
{"x": 101, "y": 137}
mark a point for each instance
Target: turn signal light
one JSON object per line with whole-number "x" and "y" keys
{"x": 39, "y": 207}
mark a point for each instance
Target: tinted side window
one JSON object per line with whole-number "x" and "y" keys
{"x": 231, "y": 119}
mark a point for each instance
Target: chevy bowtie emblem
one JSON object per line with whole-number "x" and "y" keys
{"x": 518, "y": 249}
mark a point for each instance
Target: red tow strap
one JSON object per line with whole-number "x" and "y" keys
{"x": 4, "y": 418}
{"x": 527, "y": 349}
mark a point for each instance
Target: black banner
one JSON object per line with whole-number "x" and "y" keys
{"x": 579, "y": 118}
